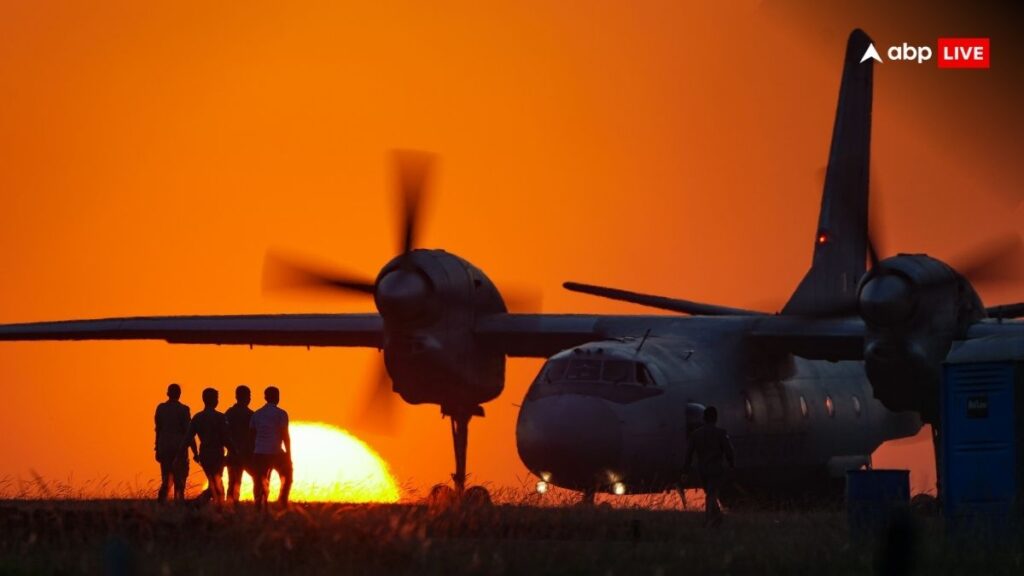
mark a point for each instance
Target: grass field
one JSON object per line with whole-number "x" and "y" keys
{"x": 125, "y": 536}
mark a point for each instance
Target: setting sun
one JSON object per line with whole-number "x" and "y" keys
{"x": 332, "y": 465}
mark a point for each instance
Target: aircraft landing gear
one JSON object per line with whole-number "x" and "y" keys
{"x": 682, "y": 494}
{"x": 444, "y": 496}
{"x": 460, "y": 439}
{"x": 588, "y": 497}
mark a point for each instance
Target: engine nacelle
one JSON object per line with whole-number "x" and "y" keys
{"x": 429, "y": 301}
{"x": 914, "y": 307}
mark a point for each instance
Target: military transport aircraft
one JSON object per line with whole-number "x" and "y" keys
{"x": 851, "y": 361}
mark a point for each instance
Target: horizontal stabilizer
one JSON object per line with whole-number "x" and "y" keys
{"x": 660, "y": 302}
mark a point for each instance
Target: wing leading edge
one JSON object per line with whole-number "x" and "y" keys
{"x": 516, "y": 335}
{"x": 364, "y": 330}
{"x": 524, "y": 335}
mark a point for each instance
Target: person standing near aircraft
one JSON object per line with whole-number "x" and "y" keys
{"x": 269, "y": 427}
{"x": 212, "y": 429}
{"x": 239, "y": 458}
{"x": 172, "y": 422}
{"x": 712, "y": 446}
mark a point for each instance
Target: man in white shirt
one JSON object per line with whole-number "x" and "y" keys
{"x": 269, "y": 427}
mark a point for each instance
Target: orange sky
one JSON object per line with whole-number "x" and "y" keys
{"x": 151, "y": 152}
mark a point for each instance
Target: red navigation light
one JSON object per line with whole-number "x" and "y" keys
{"x": 822, "y": 238}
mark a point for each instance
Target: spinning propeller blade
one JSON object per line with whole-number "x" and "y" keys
{"x": 378, "y": 414}
{"x": 288, "y": 273}
{"x": 413, "y": 169}
{"x": 998, "y": 260}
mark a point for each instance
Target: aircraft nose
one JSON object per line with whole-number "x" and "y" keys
{"x": 577, "y": 439}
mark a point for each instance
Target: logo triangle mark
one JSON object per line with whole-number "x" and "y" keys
{"x": 870, "y": 53}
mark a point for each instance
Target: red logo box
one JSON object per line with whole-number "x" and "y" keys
{"x": 963, "y": 52}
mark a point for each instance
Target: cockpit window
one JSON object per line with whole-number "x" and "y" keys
{"x": 597, "y": 370}
{"x": 617, "y": 371}
{"x": 583, "y": 369}
{"x": 555, "y": 370}
{"x": 643, "y": 376}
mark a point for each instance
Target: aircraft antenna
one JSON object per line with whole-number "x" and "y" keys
{"x": 642, "y": 340}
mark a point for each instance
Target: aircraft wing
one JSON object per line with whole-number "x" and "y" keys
{"x": 538, "y": 335}
{"x": 843, "y": 339}
{"x": 815, "y": 338}
{"x": 364, "y": 330}
{"x": 523, "y": 335}
{"x": 995, "y": 328}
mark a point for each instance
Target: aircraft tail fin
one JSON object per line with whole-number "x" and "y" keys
{"x": 841, "y": 242}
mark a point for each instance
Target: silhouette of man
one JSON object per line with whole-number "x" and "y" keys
{"x": 212, "y": 429}
{"x": 240, "y": 447}
{"x": 269, "y": 426}
{"x": 172, "y": 420}
{"x": 712, "y": 446}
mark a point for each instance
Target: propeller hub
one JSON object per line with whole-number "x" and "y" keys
{"x": 402, "y": 294}
{"x": 886, "y": 299}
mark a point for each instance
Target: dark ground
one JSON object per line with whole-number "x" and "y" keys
{"x": 123, "y": 537}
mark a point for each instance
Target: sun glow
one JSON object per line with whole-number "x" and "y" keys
{"x": 331, "y": 465}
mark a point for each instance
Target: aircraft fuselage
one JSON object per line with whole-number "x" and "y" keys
{"x": 618, "y": 411}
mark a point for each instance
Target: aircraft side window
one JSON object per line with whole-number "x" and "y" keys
{"x": 643, "y": 376}
{"x": 830, "y": 406}
{"x": 616, "y": 371}
{"x": 748, "y": 409}
{"x": 583, "y": 369}
{"x": 856, "y": 406}
{"x": 555, "y": 370}
{"x": 803, "y": 407}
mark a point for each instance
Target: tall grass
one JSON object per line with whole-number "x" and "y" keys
{"x": 521, "y": 533}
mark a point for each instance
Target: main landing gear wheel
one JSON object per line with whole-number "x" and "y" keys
{"x": 477, "y": 497}
{"x": 444, "y": 497}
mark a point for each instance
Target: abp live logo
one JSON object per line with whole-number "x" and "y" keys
{"x": 964, "y": 52}
{"x": 951, "y": 53}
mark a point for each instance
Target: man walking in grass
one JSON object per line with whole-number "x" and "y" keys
{"x": 239, "y": 458}
{"x": 212, "y": 429}
{"x": 269, "y": 427}
{"x": 713, "y": 450}
{"x": 172, "y": 420}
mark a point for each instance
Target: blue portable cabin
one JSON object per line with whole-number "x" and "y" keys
{"x": 982, "y": 431}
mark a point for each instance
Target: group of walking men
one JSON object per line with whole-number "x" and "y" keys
{"x": 239, "y": 439}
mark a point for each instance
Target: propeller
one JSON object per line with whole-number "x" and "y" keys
{"x": 999, "y": 260}
{"x": 294, "y": 274}
{"x": 996, "y": 261}
{"x": 289, "y": 273}
{"x": 400, "y": 293}
{"x": 378, "y": 415}
{"x": 280, "y": 272}
{"x": 413, "y": 169}
{"x": 889, "y": 298}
